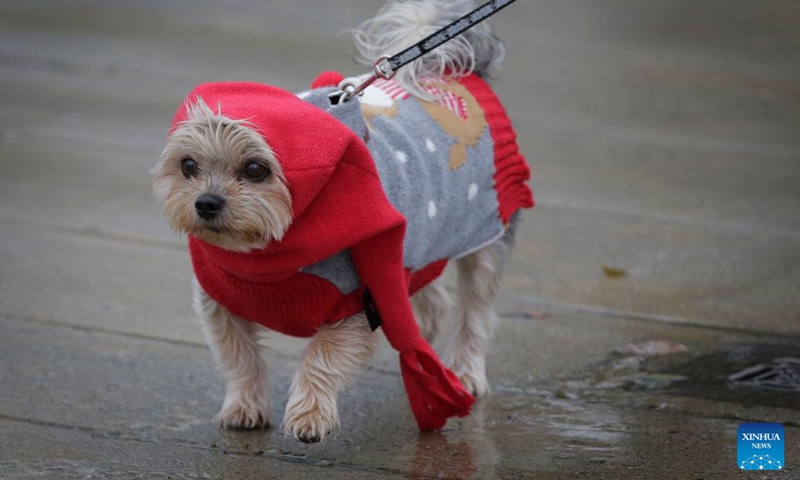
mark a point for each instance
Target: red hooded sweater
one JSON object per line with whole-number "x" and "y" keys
{"x": 338, "y": 204}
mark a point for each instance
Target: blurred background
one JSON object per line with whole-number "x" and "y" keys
{"x": 663, "y": 255}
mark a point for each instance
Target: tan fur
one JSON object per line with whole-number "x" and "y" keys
{"x": 234, "y": 343}
{"x": 431, "y": 307}
{"x": 336, "y": 354}
{"x": 255, "y": 213}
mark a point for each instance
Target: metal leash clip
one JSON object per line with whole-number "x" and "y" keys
{"x": 352, "y": 86}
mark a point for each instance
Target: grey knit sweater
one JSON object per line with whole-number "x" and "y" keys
{"x": 447, "y": 165}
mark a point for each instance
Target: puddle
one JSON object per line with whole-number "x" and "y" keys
{"x": 782, "y": 375}
{"x": 740, "y": 374}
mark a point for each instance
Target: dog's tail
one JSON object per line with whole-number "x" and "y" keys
{"x": 402, "y": 23}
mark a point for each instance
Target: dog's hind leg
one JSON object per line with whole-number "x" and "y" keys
{"x": 431, "y": 307}
{"x": 478, "y": 279}
{"x": 234, "y": 343}
{"x": 336, "y": 354}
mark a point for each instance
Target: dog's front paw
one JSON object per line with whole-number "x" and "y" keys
{"x": 310, "y": 418}
{"x": 245, "y": 408}
{"x": 475, "y": 383}
{"x": 471, "y": 370}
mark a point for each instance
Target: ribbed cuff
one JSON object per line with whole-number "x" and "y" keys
{"x": 511, "y": 169}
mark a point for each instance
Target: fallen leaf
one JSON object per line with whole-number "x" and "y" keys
{"x": 652, "y": 348}
{"x": 614, "y": 272}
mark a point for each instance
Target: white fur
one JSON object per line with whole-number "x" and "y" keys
{"x": 402, "y": 23}
{"x": 431, "y": 307}
{"x": 234, "y": 343}
{"x": 465, "y": 353}
{"x": 336, "y": 354}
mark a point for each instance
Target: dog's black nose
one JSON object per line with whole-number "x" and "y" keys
{"x": 208, "y": 205}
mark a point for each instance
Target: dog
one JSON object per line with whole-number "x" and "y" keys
{"x": 319, "y": 219}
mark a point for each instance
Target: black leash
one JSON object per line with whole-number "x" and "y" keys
{"x": 447, "y": 33}
{"x": 386, "y": 67}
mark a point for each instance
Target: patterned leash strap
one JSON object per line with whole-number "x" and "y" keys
{"x": 387, "y": 66}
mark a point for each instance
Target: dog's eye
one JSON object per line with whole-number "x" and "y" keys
{"x": 188, "y": 167}
{"x": 256, "y": 171}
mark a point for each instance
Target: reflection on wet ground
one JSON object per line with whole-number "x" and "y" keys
{"x": 709, "y": 376}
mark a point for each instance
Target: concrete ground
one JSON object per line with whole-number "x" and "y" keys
{"x": 664, "y": 139}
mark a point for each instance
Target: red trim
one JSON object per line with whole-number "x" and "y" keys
{"x": 426, "y": 275}
{"x": 511, "y": 169}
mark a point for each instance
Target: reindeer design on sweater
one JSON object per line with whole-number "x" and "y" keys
{"x": 453, "y": 108}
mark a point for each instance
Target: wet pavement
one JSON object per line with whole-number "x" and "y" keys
{"x": 663, "y": 138}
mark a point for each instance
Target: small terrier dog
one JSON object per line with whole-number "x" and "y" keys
{"x": 234, "y": 176}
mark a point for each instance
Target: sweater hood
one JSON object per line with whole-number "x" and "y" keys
{"x": 308, "y": 142}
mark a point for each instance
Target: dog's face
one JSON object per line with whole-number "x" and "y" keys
{"x": 218, "y": 180}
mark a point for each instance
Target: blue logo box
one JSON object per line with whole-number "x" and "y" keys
{"x": 760, "y": 446}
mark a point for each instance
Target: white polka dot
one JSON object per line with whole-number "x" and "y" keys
{"x": 431, "y": 209}
{"x": 401, "y": 156}
{"x": 431, "y": 146}
{"x": 473, "y": 191}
